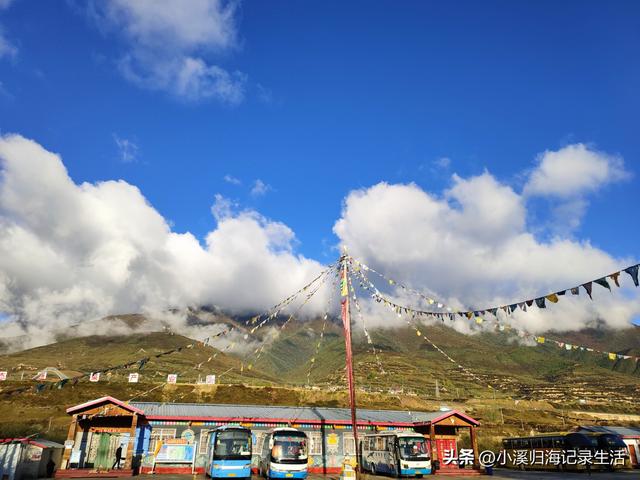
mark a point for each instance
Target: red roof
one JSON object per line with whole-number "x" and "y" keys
{"x": 447, "y": 414}
{"x": 38, "y": 442}
{"x": 107, "y": 399}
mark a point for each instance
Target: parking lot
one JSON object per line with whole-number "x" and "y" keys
{"x": 498, "y": 473}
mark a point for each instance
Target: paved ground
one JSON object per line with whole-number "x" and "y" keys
{"x": 498, "y": 473}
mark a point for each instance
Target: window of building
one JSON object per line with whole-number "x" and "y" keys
{"x": 349, "y": 444}
{"x": 315, "y": 444}
{"x": 159, "y": 435}
{"x": 380, "y": 444}
{"x": 204, "y": 441}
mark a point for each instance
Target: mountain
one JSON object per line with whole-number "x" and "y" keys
{"x": 538, "y": 387}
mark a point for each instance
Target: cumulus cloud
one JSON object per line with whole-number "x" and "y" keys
{"x": 565, "y": 177}
{"x": 169, "y": 45}
{"x": 74, "y": 252}
{"x": 471, "y": 247}
{"x": 574, "y": 171}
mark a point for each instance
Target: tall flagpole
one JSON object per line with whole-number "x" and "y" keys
{"x": 346, "y": 325}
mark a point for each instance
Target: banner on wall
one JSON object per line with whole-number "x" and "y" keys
{"x": 3, "y": 376}
{"x": 172, "y": 378}
{"x": 94, "y": 377}
{"x": 210, "y": 380}
{"x": 134, "y": 377}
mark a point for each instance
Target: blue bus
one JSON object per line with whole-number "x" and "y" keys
{"x": 229, "y": 453}
{"x": 284, "y": 454}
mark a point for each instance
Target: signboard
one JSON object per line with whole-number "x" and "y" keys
{"x": 188, "y": 435}
{"x": 134, "y": 377}
{"x": 3, "y": 376}
{"x": 176, "y": 453}
{"x": 94, "y": 377}
{"x": 34, "y": 454}
{"x": 172, "y": 378}
{"x": 210, "y": 380}
{"x": 42, "y": 375}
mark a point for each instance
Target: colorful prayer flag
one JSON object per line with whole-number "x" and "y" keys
{"x": 603, "y": 283}
{"x": 633, "y": 271}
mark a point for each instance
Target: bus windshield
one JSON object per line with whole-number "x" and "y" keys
{"x": 289, "y": 449}
{"x": 413, "y": 448}
{"x": 233, "y": 445}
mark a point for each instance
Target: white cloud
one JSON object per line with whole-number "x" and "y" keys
{"x": 127, "y": 149}
{"x": 232, "y": 180}
{"x": 7, "y": 49}
{"x": 566, "y": 177}
{"x": 74, "y": 252}
{"x": 573, "y": 171}
{"x": 260, "y": 188}
{"x": 472, "y": 249}
{"x": 169, "y": 43}
{"x": 442, "y": 162}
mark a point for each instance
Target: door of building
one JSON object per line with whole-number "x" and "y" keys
{"x": 447, "y": 449}
{"x": 103, "y": 460}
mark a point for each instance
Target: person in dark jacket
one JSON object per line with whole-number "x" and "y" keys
{"x": 116, "y": 464}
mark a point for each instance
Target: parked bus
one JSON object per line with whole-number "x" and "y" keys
{"x": 395, "y": 453}
{"x": 560, "y": 451}
{"x": 229, "y": 453}
{"x": 284, "y": 454}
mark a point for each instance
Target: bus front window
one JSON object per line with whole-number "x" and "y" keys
{"x": 232, "y": 445}
{"x": 289, "y": 449}
{"x": 413, "y": 448}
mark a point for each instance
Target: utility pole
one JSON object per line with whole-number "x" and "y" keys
{"x": 437, "y": 389}
{"x": 346, "y": 325}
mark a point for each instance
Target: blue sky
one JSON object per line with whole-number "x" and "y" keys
{"x": 331, "y": 97}
{"x": 360, "y": 92}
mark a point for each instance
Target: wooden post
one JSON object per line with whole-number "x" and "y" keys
{"x": 434, "y": 447}
{"x": 474, "y": 445}
{"x": 346, "y": 325}
{"x": 71, "y": 435}
{"x": 132, "y": 443}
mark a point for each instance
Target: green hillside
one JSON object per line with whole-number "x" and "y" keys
{"x": 537, "y": 387}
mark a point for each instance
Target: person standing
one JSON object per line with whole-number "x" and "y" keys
{"x": 116, "y": 464}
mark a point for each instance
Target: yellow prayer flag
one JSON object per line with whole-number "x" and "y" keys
{"x": 540, "y": 339}
{"x": 612, "y": 356}
{"x": 479, "y": 320}
{"x": 553, "y": 298}
{"x": 418, "y": 332}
